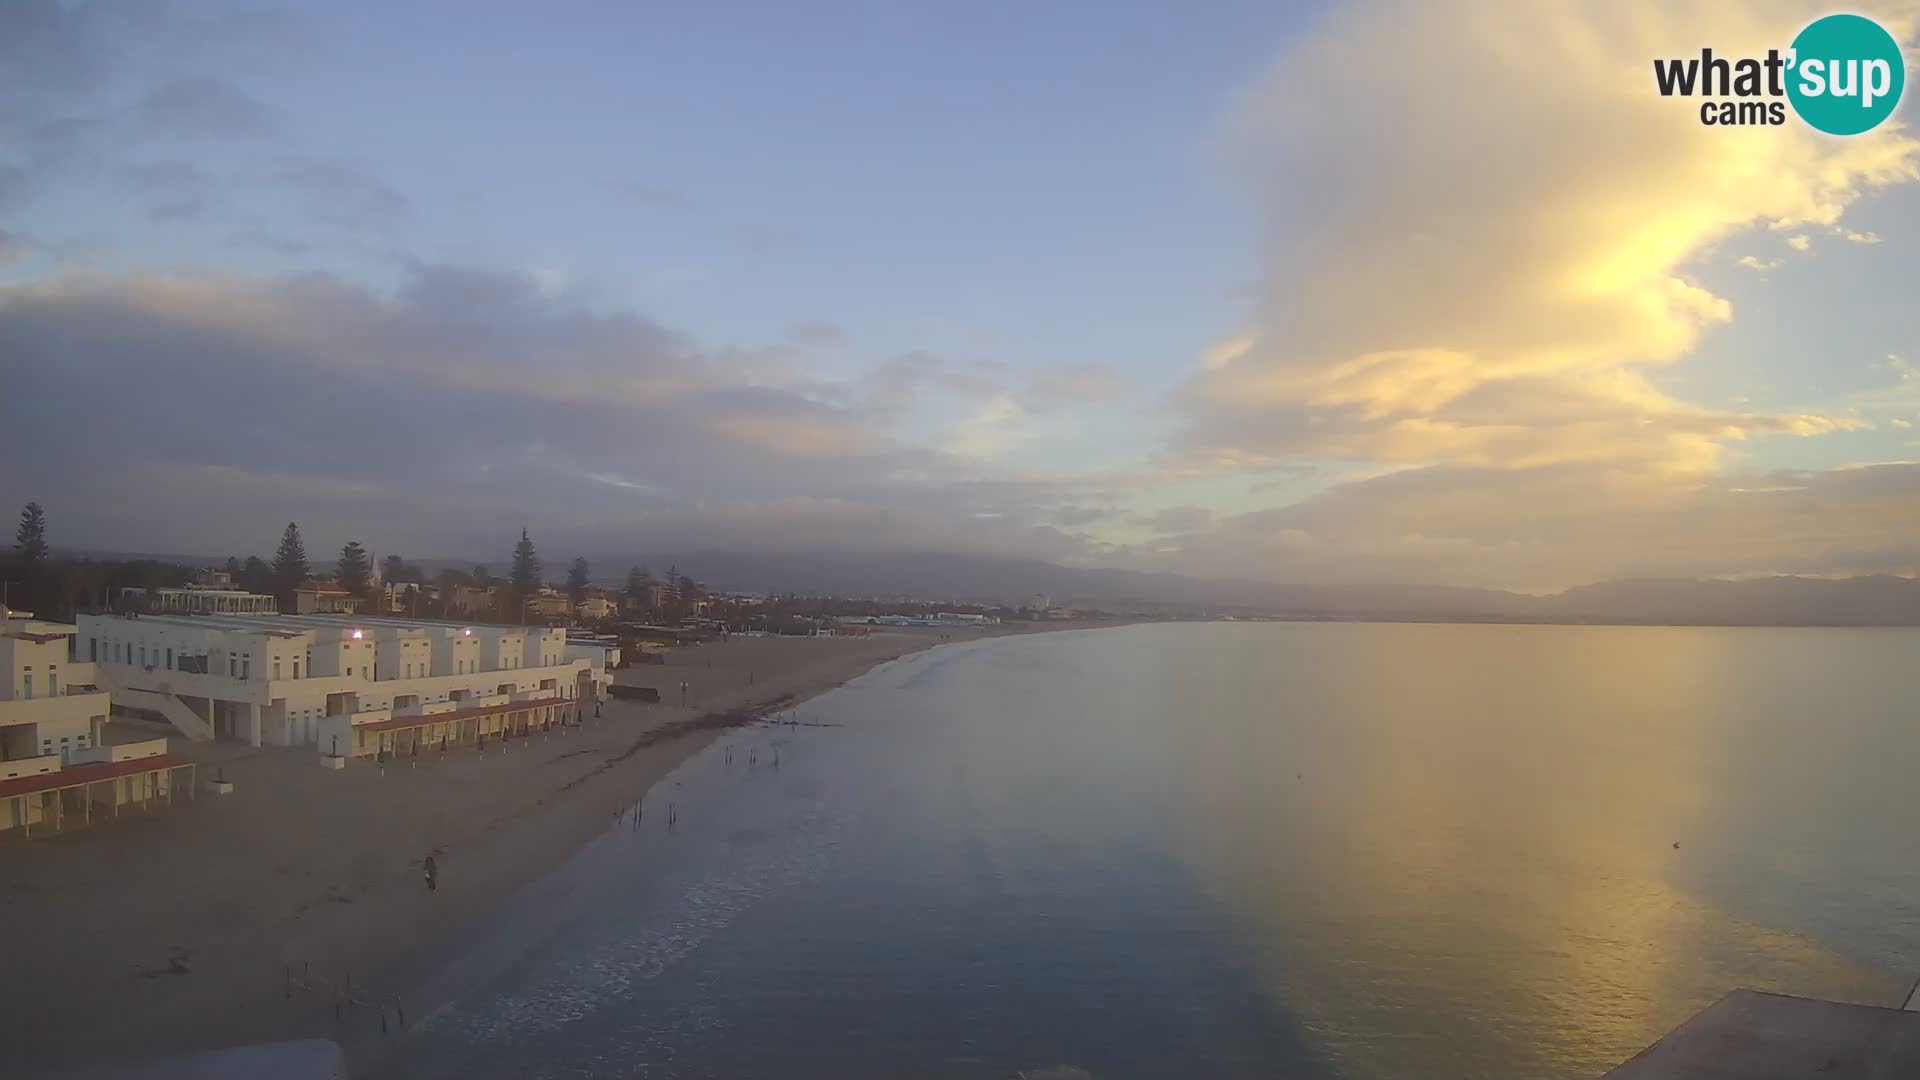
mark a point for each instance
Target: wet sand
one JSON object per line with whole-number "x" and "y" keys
{"x": 246, "y": 917}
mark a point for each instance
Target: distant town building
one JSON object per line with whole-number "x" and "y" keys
{"x": 596, "y": 608}
{"x": 325, "y": 598}
{"x": 197, "y": 600}
{"x": 467, "y": 599}
{"x": 547, "y": 606}
{"x": 401, "y": 596}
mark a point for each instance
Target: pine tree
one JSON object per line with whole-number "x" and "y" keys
{"x": 355, "y": 572}
{"x": 289, "y": 566}
{"x": 636, "y": 587}
{"x": 30, "y": 558}
{"x": 526, "y": 572}
{"x": 393, "y": 568}
{"x": 577, "y": 581}
{"x": 233, "y": 566}
{"x": 673, "y": 582}
{"x": 30, "y": 543}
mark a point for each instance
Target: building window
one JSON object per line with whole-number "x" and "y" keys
{"x": 233, "y": 665}
{"x": 169, "y": 659}
{"x": 296, "y": 667}
{"x": 53, "y": 685}
{"x": 93, "y": 650}
{"x": 143, "y": 656}
{"x": 276, "y": 669}
{"x": 246, "y": 667}
{"x": 349, "y": 671}
{"x": 27, "y": 682}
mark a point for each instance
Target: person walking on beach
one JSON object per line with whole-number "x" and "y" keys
{"x": 433, "y": 874}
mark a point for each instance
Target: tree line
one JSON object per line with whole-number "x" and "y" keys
{"x": 58, "y": 587}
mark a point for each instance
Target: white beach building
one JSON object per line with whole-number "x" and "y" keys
{"x": 55, "y": 766}
{"x": 346, "y": 684}
{"x": 49, "y": 704}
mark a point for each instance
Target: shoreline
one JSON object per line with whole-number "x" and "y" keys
{"x": 245, "y": 918}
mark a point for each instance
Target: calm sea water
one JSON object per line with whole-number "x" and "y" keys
{"x": 1223, "y": 850}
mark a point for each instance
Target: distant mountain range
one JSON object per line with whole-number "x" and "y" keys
{"x": 1877, "y": 600}
{"x": 1880, "y": 600}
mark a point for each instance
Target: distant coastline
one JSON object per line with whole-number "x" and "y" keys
{"x": 1781, "y": 600}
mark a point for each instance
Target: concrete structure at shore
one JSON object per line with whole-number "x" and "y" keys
{"x": 344, "y": 684}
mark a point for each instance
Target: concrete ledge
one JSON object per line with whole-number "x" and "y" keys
{"x": 1755, "y": 1036}
{"x": 220, "y": 787}
{"x": 332, "y": 761}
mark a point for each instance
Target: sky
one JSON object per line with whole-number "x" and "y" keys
{"x": 1379, "y": 292}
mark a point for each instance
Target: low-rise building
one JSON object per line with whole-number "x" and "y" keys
{"x": 53, "y": 714}
{"x": 53, "y": 793}
{"x": 602, "y": 656}
{"x": 596, "y": 608}
{"x": 468, "y": 599}
{"x": 50, "y": 705}
{"x": 325, "y": 598}
{"x": 197, "y": 600}
{"x": 548, "y": 606}
{"x": 333, "y": 681}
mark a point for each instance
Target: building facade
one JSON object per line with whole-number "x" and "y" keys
{"x": 197, "y": 600}
{"x": 50, "y": 705}
{"x": 319, "y": 679}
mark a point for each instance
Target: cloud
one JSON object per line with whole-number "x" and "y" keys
{"x": 14, "y": 185}
{"x": 1802, "y": 242}
{"x": 258, "y": 239}
{"x": 641, "y": 193}
{"x": 1074, "y": 516}
{"x": 428, "y": 414}
{"x": 14, "y": 248}
{"x": 1177, "y": 519}
{"x": 900, "y": 382}
{"x": 1083, "y": 384}
{"x": 1754, "y": 263}
{"x": 342, "y": 195}
{"x": 1856, "y": 237}
{"x": 990, "y": 432}
{"x": 1550, "y": 528}
{"x": 1497, "y": 300}
{"x": 1477, "y": 317}
{"x": 177, "y": 210}
{"x": 200, "y": 107}
{"x": 816, "y": 332}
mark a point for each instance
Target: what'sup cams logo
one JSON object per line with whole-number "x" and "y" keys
{"x": 1843, "y": 75}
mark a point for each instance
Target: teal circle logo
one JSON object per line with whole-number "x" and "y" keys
{"x": 1846, "y": 74}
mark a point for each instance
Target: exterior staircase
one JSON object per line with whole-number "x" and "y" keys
{"x": 184, "y": 720}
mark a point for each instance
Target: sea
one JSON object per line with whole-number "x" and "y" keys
{"x": 1328, "y": 850}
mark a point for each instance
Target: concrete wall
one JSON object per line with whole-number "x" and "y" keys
{"x": 32, "y": 766}
{"x": 122, "y": 752}
{"x": 456, "y": 652}
{"x": 501, "y": 650}
{"x": 403, "y": 656}
{"x": 544, "y": 647}
{"x": 26, "y": 666}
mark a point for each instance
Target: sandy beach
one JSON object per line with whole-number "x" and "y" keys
{"x": 185, "y": 923}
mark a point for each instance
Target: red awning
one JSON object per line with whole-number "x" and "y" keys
{"x": 462, "y": 714}
{"x": 77, "y": 775}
